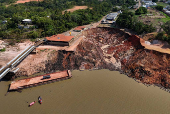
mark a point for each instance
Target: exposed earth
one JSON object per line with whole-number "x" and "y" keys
{"x": 23, "y": 1}
{"x": 75, "y": 8}
{"x": 105, "y": 48}
{"x": 12, "y": 51}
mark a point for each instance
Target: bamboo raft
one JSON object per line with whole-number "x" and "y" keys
{"x": 40, "y": 80}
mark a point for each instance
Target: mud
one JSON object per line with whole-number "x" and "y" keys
{"x": 109, "y": 48}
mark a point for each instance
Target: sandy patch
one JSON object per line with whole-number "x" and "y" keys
{"x": 33, "y": 63}
{"x": 23, "y": 1}
{"x": 13, "y": 51}
{"x": 75, "y": 8}
{"x": 50, "y": 47}
{"x": 157, "y": 46}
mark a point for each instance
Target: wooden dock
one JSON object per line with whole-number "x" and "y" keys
{"x": 39, "y": 80}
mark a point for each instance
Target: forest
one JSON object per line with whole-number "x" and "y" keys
{"x": 48, "y": 19}
{"x": 128, "y": 20}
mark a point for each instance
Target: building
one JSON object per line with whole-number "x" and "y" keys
{"x": 147, "y": 1}
{"x": 59, "y": 40}
{"x": 27, "y": 21}
{"x": 144, "y": 6}
{"x": 5, "y": 21}
{"x": 111, "y": 16}
{"x": 79, "y": 28}
{"x": 119, "y": 11}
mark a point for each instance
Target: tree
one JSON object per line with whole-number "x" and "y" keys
{"x": 141, "y": 10}
{"x": 154, "y": 0}
{"x": 166, "y": 27}
{"x": 159, "y": 7}
{"x": 127, "y": 19}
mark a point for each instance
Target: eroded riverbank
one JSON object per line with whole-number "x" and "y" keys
{"x": 99, "y": 91}
{"x": 106, "y": 48}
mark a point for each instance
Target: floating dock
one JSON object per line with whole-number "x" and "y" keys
{"x": 40, "y": 80}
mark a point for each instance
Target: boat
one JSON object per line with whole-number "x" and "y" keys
{"x": 40, "y": 100}
{"x": 40, "y": 80}
{"x": 32, "y": 103}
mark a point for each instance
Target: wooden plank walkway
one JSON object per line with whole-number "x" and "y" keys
{"x": 38, "y": 80}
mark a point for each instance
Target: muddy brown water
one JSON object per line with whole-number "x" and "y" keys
{"x": 88, "y": 92}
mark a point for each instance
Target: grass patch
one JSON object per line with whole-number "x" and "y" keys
{"x": 33, "y": 40}
{"x": 165, "y": 19}
{"x": 2, "y": 50}
{"x": 162, "y": 4}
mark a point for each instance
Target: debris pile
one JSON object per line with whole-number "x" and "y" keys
{"x": 113, "y": 49}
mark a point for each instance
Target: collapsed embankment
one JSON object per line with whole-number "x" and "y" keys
{"x": 109, "y": 48}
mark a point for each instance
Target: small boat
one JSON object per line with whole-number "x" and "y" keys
{"x": 32, "y": 103}
{"x": 40, "y": 100}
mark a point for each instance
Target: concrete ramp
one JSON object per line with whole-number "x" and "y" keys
{"x": 73, "y": 46}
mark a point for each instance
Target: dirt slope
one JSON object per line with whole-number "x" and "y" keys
{"x": 108, "y": 48}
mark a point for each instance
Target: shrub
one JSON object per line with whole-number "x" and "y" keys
{"x": 141, "y": 10}
{"x": 159, "y": 7}
{"x": 2, "y": 50}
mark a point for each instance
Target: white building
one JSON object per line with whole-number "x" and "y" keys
{"x": 144, "y": 6}
{"x": 27, "y": 21}
{"x": 119, "y": 11}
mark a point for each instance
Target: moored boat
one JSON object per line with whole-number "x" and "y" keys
{"x": 40, "y": 100}
{"x": 32, "y": 103}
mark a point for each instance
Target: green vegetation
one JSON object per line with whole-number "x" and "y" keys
{"x": 48, "y": 18}
{"x": 7, "y": 1}
{"x": 164, "y": 20}
{"x": 127, "y": 20}
{"x": 159, "y": 7}
{"x": 166, "y": 27}
{"x": 165, "y": 35}
{"x": 162, "y": 4}
{"x": 141, "y": 10}
{"x": 2, "y": 50}
{"x": 154, "y": 0}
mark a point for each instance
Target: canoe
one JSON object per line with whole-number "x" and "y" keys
{"x": 40, "y": 100}
{"x": 32, "y": 103}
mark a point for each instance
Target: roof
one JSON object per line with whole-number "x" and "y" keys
{"x": 60, "y": 37}
{"x": 80, "y": 28}
{"x": 27, "y": 20}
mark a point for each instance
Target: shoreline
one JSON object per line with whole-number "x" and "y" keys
{"x": 108, "y": 48}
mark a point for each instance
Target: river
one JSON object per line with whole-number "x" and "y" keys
{"x": 87, "y": 92}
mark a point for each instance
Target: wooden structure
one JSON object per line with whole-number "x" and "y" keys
{"x": 40, "y": 80}
{"x": 60, "y": 40}
{"x": 79, "y": 28}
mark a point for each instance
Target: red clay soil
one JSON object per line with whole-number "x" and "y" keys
{"x": 75, "y": 8}
{"x": 23, "y": 1}
{"x": 136, "y": 41}
{"x": 113, "y": 49}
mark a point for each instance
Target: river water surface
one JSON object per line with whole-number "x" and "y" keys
{"x": 87, "y": 92}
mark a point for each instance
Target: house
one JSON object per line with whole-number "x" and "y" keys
{"x": 144, "y": 6}
{"x": 5, "y": 21}
{"x": 111, "y": 16}
{"x": 147, "y": 1}
{"x": 79, "y": 28}
{"x": 20, "y": 26}
{"x": 27, "y": 21}
{"x": 59, "y": 40}
{"x": 119, "y": 11}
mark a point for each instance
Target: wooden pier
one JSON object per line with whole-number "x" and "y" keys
{"x": 40, "y": 80}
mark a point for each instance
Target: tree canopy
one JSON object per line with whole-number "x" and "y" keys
{"x": 48, "y": 18}
{"x": 127, "y": 20}
{"x": 141, "y": 10}
{"x": 159, "y": 7}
